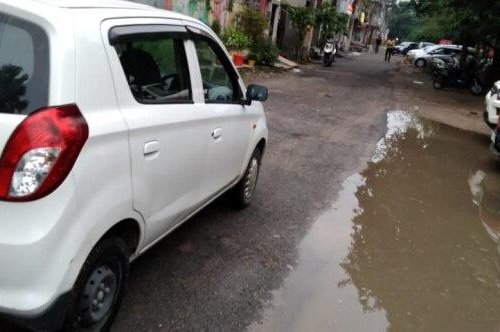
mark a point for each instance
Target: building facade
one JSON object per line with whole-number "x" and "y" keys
{"x": 209, "y": 11}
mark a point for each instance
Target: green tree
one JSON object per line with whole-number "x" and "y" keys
{"x": 302, "y": 19}
{"x": 330, "y": 21}
{"x": 403, "y": 21}
{"x": 473, "y": 22}
{"x": 252, "y": 23}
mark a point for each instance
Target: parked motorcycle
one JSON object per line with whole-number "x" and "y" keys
{"x": 483, "y": 78}
{"x": 329, "y": 52}
{"x": 472, "y": 77}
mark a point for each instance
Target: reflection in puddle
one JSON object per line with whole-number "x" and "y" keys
{"x": 403, "y": 247}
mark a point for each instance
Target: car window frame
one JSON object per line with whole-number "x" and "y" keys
{"x": 152, "y": 31}
{"x": 199, "y": 34}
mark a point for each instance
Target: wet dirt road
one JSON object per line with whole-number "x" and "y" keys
{"x": 398, "y": 245}
{"x": 409, "y": 245}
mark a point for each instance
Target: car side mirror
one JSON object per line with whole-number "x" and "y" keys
{"x": 257, "y": 93}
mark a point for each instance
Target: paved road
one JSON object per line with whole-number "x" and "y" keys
{"x": 217, "y": 272}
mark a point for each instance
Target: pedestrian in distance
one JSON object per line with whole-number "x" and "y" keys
{"x": 378, "y": 41}
{"x": 390, "y": 49}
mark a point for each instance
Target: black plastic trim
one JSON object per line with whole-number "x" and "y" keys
{"x": 125, "y": 33}
{"x": 52, "y": 319}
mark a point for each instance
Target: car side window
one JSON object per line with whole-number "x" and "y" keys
{"x": 220, "y": 83}
{"x": 156, "y": 68}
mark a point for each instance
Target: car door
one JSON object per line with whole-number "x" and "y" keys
{"x": 231, "y": 120}
{"x": 439, "y": 53}
{"x": 168, "y": 124}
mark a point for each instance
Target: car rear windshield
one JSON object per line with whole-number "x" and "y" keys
{"x": 24, "y": 66}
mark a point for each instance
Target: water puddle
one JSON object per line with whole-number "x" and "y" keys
{"x": 410, "y": 243}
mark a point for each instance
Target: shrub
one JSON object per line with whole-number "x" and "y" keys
{"x": 252, "y": 22}
{"x": 235, "y": 39}
{"x": 264, "y": 52}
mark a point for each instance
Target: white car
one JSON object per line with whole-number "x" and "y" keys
{"x": 426, "y": 55}
{"x": 118, "y": 122}
{"x": 492, "y": 102}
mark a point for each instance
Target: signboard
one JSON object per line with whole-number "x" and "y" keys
{"x": 346, "y": 6}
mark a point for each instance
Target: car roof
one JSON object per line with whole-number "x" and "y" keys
{"x": 106, "y": 8}
{"x": 94, "y": 4}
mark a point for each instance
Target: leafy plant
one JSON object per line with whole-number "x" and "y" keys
{"x": 330, "y": 21}
{"x": 235, "y": 39}
{"x": 264, "y": 51}
{"x": 252, "y": 22}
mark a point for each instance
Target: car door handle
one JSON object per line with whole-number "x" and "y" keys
{"x": 217, "y": 133}
{"x": 151, "y": 148}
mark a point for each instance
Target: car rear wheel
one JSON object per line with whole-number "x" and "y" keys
{"x": 99, "y": 289}
{"x": 438, "y": 82}
{"x": 243, "y": 193}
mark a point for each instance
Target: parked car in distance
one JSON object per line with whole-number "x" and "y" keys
{"x": 412, "y": 54}
{"x": 424, "y": 44}
{"x": 405, "y": 47}
{"x": 445, "y": 52}
{"x": 492, "y": 102}
{"x": 121, "y": 122}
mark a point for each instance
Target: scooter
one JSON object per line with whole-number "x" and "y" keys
{"x": 329, "y": 52}
{"x": 475, "y": 79}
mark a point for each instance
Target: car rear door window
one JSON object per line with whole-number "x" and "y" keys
{"x": 24, "y": 66}
{"x": 155, "y": 67}
{"x": 220, "y": 82}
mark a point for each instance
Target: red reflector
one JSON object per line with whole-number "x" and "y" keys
{"x": 63, "y": 128}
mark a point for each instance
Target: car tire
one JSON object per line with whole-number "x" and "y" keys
{"x": 243, "y": 193}
{"x": 438, "y": 83}
{"x": 100, "y": 287}
{"x": 420, "y": 63}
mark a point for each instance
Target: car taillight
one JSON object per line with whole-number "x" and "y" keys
{"x": 41, "y": 152}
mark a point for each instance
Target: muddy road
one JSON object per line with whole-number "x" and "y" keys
{"x": 408, "y": 245}
{"x": 365, "y": 219}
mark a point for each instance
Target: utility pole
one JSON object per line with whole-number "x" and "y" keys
{"x": 277, "y": 16}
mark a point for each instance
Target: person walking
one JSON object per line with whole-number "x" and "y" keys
{"x": 378, "y": 41}
{"x": 390, "y": 49}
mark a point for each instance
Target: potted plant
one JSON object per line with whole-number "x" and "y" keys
{"x": 236, "y": 41}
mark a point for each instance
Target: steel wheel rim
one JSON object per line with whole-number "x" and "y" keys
{"x": 98, "y": 296}
{"x": 251, "y": 178}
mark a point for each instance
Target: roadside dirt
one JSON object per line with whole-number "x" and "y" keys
{"x": 413, "y": 92}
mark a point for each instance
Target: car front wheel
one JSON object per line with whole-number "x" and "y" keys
{"x": 243, "y": 193}
{"x": 420, "y": 63}
{"x": 99, "y": 289}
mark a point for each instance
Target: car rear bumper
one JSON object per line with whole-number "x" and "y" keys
{"x": 51, "y": 319}
{"x": 36, "y": 253}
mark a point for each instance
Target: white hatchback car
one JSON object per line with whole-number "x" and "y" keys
{"x": 118, "y": 122}
{"x": 492, "y": 102}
